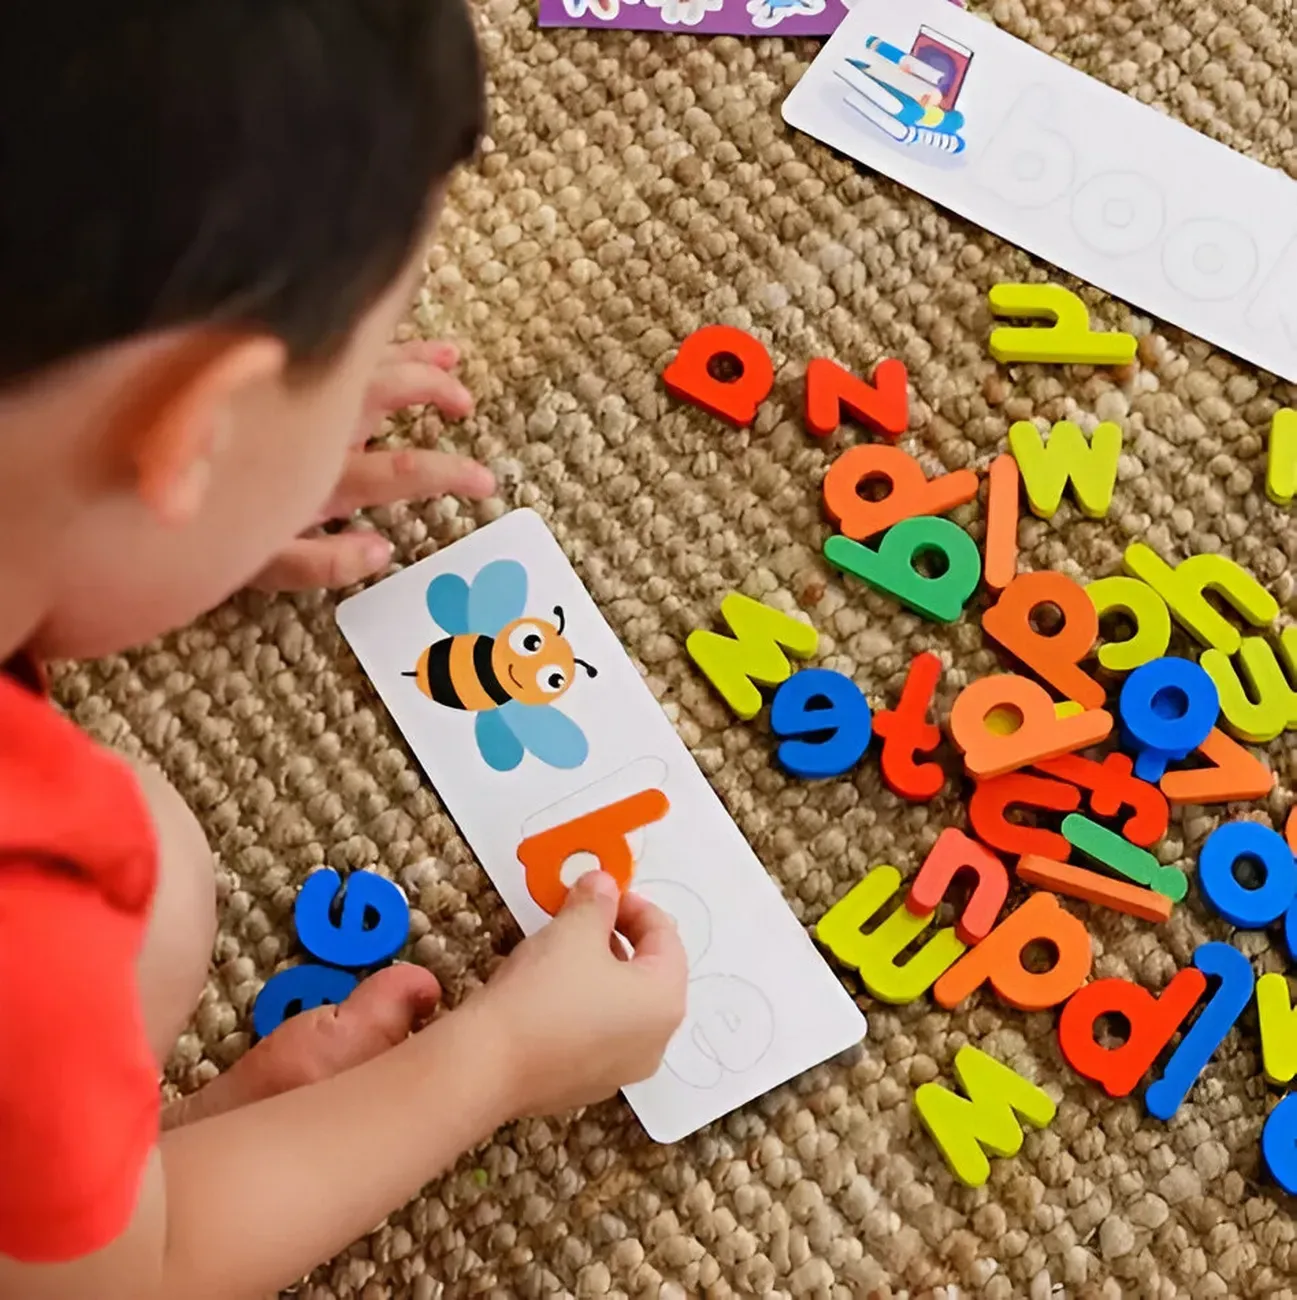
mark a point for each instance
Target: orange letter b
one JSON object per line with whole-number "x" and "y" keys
{"x": 602, "y": 833}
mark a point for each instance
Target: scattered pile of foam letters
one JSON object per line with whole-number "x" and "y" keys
{"x": 1021, "y": 746}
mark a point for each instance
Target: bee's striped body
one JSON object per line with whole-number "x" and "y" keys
{"x": 458, "y": 672}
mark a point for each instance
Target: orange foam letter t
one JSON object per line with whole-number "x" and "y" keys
{"x": 602, "y": 833}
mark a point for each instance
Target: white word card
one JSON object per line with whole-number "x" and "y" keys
{"x": 1071, "y": 170}
{"x": 553, "y": 757}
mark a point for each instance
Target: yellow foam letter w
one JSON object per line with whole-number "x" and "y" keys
{"x": 1047, "y": 466}
{"x": 962, "y": 1127}
{"x": 753, "y": 653}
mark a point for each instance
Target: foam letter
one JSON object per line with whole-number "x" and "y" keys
{"x": 1047, "y": 467}
{"x": 1196, "y": 1048}
{"x": 372, "y": 924}
{"x": 1234, "y": 774}
{"x": 1145, "y": 608}
{"x": 1076, "y": 882}
{"x": 1068, "y": 340}
{"x": 910, "y": 491}
{"x": 1052, "y": 656}
{"x": 1281, "y": 458}
{"x": 1275, "y": 707}
{"x": 1167, "y": 709}
{"x": 753, "y": 654}
{"x": 1278, "y": 1027}
{"x": 907, "y": 732}
{"x": 893, "y": 567}
{"x": 1279, "y": 1144}
{"x": 690, "y": 376}
{"x": 952, "y": 853}
{"x": 1113, "y": 786}
{"x": 602, "y": 833}
{"x": 962, "y": 1127}
{"x": 1183, "y": 587}
{"x": 1249, "y": 908}
{"x": 1041, "y": 734}
{"x": 832, "y": 393}
{"x": 1001, "y": 563}
{"x": 829, "y": 705}
{"x": 991, "y": 799}
{"x": 1152, "y": 1022}
{"x": 874, "y": 954}
{"x": 1117, "y": 854}
{"x": 297, "y": 989}
{"x": 998, "y": 959}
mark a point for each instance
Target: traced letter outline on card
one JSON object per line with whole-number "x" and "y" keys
{"x": 763, "y": 1006}
{"x": 1077, "y": 173}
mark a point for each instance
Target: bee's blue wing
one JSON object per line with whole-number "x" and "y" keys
{"x": 498, "y": 596}
{"x": 448, "y": 603}
{"x": 552, "y": 736}
{"x": 496, "y": 743}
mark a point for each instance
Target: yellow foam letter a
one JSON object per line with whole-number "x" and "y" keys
{"x": 1047, "y": 466}
{"x": 962, "y": 1127}
{"x": 1182, "y": 588}
{"x": 752, "y": 654}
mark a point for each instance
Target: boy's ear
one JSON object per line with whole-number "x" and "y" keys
{"x": 183, "y": 408}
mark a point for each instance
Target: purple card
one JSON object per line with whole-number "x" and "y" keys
{"x": 703, "y": 17}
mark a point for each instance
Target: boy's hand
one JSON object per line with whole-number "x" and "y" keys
{"x": 577, "y": 1019}
{"x": 412, "y": 374}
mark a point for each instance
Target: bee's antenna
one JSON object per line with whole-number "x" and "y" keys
{"x": 590, "y": 668}
{"x": 558, "y": 611}
{"x": 409, "y": 674}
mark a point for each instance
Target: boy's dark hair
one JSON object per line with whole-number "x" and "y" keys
{"x": 255, "y": 163}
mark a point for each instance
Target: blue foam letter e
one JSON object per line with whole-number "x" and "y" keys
{"x": 299, "y": 988}
{"x": 373, "y": 920}
{"x": 827, "y": 704}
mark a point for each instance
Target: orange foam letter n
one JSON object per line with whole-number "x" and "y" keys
{"x": 603, "y": 833}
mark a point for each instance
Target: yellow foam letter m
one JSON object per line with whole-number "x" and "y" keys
{"x": 755, "y": 653}
{"x": 986, "y": 1118}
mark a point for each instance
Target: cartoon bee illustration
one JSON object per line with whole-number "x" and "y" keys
{"x": 507, "y": 669}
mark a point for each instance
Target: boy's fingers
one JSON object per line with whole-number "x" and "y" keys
{"x": 339, "y": 560}
{"x": 379, "y": 478}
{"x": 651, "y": 931}
{"x": 434, "y": 352}
{"x": 416, "y": 383}
{"x": 593, "y": 899}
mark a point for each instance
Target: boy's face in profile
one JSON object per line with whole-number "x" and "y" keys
{"x": 205, "y": 457}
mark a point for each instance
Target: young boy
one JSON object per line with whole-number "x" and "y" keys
{"x": 211, "y": 216}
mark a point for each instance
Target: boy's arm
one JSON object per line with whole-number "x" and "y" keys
{"x": 240, "y": 1205}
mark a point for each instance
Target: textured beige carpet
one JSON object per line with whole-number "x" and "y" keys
{"x": 633, "y": 189}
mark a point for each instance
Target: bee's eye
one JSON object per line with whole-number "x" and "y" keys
{"x": 526, "y": 639}
{"x": 554, "y": 681}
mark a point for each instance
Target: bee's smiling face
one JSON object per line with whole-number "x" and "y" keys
{"x": 533, "y": 662}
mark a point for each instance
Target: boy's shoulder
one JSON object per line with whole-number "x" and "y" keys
{"x": 65, "y": 800}
{"x": 79, "y": 1100}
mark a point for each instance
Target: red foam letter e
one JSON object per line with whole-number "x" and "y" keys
{"x": 603, "y": 833}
